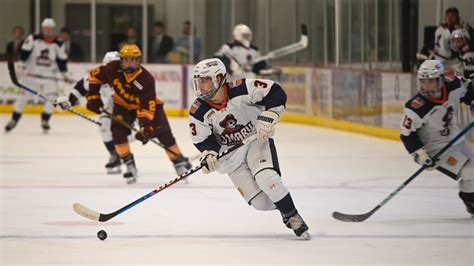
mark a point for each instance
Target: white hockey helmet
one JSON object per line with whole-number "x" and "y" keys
{"x": 459, "y": 34}
{"x": 243, "y": 34}
{"x": 431, "y": 69}
{"x": 208, "y": 69}
{"x": 110, "y": 56}
{"x": 48, "y": 23}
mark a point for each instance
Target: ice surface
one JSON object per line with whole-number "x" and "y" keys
{"x": 206, "y": 221}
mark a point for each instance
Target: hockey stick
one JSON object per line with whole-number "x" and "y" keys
{"x": 286, "y": 50}
{"x": 50, "y": 78}
{"x": 93, "y": 215}
{"x": 127, "y": 125}
{"x": 362, "y": 217}
{"x": 13, "y": 77}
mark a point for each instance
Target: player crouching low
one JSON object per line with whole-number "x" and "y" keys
{"x": 223, "y": 115}
{"x": 430, "y": 122}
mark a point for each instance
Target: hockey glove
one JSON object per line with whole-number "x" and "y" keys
{"x": 20, "y": 69}
{"x": 67, "y": 77}
{"x": 421, "y": 157}
{"x": 266, "y": 124}
{"x": 94, "y": 103}
{"x": 147, "y": 131}
{"x": 209, "y": 161}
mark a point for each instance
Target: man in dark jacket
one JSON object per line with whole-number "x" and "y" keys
{"x": 160, "y": 43}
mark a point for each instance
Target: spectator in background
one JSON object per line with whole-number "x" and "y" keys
{"x": 131, "y": 37}
{"x": 14, "y": 47}
{"x": 160, "y": 43}
{"x": 182, "y": 44}
{"x": 73, "y": 49}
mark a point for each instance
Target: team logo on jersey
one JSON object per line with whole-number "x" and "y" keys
{"x": 233, "y": 132}
{"x": 417, "y": 103}
{"x": 447, "y": 119}
{"x": 43, "y": 58}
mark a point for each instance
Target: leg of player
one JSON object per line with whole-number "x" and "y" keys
{"x": 120, "y": 137}
{"x": 165, "y": 136}
{"x": 50, "y": 89}
{"x": 263, "y": 163}
{"x": 466, "y": 182}
{"x": 113, "y": 165}
{"x": 19, "y": 106}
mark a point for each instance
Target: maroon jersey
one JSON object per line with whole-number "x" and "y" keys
{"x": 135, "y": 92}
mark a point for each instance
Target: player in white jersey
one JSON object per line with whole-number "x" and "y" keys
{"x": 238, "y": 56}
{"x": 460, "y": 45}
{"x": 430, "y": 122}
{"x": 78, "y": 92}
{"x": 42, "y": 57}
{"x": 224, "y": 114}
{"x": 442, "y": 49}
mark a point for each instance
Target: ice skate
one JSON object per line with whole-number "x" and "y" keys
{"x": 182, "y": 165}
{"x": 298, "y": 226}
{"x": 131, "y": 174}
{"x": 113, "y": 165}
{"x": 10, "y": 125}
{"x": 45, "y": 126}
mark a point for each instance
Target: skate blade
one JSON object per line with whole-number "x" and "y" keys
{"x": 305, "y": 236}
{"x": 131, "y": 180}
{"x": 114, "y": 171}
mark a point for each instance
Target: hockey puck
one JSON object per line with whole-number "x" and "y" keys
{"x": 102, "y": 235}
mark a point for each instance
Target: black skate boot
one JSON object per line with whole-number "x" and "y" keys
{"x": 45, "y": 122}
{"x": 468, "y": 199}
{"x": 131, "y": 174}
{"x": 298, "y": 226}
{"x": 13, "y": 122}
{"x": 113, "y": 165}
{"x": 181, "y": 166}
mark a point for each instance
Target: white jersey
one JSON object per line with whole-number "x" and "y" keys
{"x": 106, "y": 92}
{"x": 43, "y": 57}
{"x": 442, "y": 49}
{"x": 219, "y": 127}
{"x": 431, "y": 124}
{"x": 238, "y": 60}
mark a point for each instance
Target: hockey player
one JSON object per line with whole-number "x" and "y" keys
{"x": 430, "y": 122}
{"x": 227, "y": 112}
{"x": 134, "y": 98}
{"x": 442, "y": 50}
{"x": 42, "y": 54}
{"x": 460, "y": 45}
{"x": 78, "y": 92}
{"x": 238, "y": 56}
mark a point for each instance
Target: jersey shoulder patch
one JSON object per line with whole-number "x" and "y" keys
{"x": 198, "y": 109}
{"x": 419, "y": 105}
{"x": 237, "y": 88}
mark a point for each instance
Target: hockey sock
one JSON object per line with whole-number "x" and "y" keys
{"x": 45, "y": 116}
{"x": 110, "y": 147}
{"x": 286, "y": 206}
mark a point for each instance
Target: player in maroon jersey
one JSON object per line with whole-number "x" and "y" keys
{"x": 135, "y": 98}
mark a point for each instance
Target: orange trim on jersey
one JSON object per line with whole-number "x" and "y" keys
{"x": 120, "y": 101}
{"x": 144, "y": 113}
{"x": 122, "y": 149}
{"x": 223, "y": 104}
{"x": 94, "y": 80}
{"x": 158, "y": 100}
{"x": 443, "y": 99}
{"x": 130, "y": 79}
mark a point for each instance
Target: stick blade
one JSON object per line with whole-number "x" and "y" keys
{"x": 86, "y": 212}
{"x": 353, "y": 218}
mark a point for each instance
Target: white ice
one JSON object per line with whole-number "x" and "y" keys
{"x": 206, "y": 221}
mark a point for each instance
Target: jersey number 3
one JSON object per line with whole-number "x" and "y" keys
{"x": 193, "y": 129}
{"x": 260, "y": 84}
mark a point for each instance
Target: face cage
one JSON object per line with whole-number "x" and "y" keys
{"x": 433, "y": 94}
{"x": 209, "y": 95}
{"x": 130, "y": 70}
